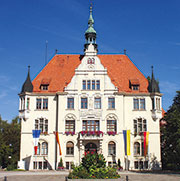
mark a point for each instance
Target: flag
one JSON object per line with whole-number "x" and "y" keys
{"x": 146, "y": 142}
{"x": 57, "y": 139}
{"x": 36, "y": 134}
{"x": 126, "y": 134}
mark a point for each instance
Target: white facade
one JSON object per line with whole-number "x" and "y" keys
{"x": 100, "y": 107}
{"x": 123, "y": 113}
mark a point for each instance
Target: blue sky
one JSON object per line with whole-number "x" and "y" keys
{"x": 149, "y": 30}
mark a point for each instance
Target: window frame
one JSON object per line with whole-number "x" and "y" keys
{"x": 45, "y": 104}
{"x": 70, "y": 103}
{"x": 97, "y": 103}
{"x": 111, "y": 102}
{"x": 41, "y": 124}
{"x": 84, "y": 103}
{"x": 111, "y": 126}
{"x": 70, "y": 149}
{"x": 91, "y": 125}
{"x": 70, "y": 126}
{"x": 111, "y": 148}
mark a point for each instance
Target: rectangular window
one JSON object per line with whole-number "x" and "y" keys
{"x": 145, "y": 164}
{"x": 90, "y": 125}
{"x": 139, "y": 126}
{"x": 88, "y": 85}
{"x": 84, "y": 85}
{"x": 111, "y": 125}
{"x": 135, "y": 127}
{"x": 93, "y": 84}
{"x": 34, "y": 165}
{"x": 98, "y": 84}
{"x": 41, "y": 125}
{"x": 136, "y": 104}
{"x": 144, "y": 125}
{"x": 111, "y": 103}
{"x": 38, "y": 103}
{"x": 36, "y": 124}
{"x": 67, "y": 165}
{"x": 97, "y": 103}
{"x": 136, "y": 164}
{"x": 70, "y": 103}
{"x": 70, "y": 126}
{"x": 45, "y": 103}
{"x": 46, "y": 126}
{"x": 23, "y": 103}
{"x": 83, "y": 103}
{"x": 153, "y": 107}
{"x": 158, "y": 103}
{"x": 45, "y": 165}
{"x": 27, "y": 104}
{"x": 40, "y": 165}
{"x": 142, "y": 104}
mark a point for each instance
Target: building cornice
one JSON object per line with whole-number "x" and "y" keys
{"x": 43, "y": 93}
{"x": 137, "y": 94}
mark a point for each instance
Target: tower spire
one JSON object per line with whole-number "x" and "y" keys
{"x": 90, "y": 46}
{"x": 27, "y": 86}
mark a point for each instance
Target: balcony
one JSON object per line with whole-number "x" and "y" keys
{"x": 91, "y": 135}
{"x": 24, "y": 114}
{"x": 156, "y": 114}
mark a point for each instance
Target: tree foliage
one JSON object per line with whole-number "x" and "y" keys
{"x": 9, "y": 143}
{"x": 170, "y": 137}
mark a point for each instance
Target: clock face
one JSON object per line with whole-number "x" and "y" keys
{"x": 90, "y": 61}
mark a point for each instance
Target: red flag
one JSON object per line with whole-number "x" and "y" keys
{"x": 57, "y": 139}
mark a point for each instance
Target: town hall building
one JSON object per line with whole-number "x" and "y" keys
{"x": 89, "y": 100}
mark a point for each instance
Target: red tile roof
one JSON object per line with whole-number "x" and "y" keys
{"x": 60, "y": 70}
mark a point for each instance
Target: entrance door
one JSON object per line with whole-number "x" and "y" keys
{"x": 90, "y": 148}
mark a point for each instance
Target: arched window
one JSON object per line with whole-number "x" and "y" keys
{"x": 44, "y": 149}
{"x": 136, "y": 149}
{"x": 70, "y": 148}
{"x": 111, "y": 148}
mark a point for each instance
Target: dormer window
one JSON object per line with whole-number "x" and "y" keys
{"x": 134, "y": 84}
{"x": 45, "y": 84}
{"x": 44, "y": 87}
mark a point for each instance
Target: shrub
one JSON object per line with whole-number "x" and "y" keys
{"x": 60, "y": 164}
{"x": 93, "y": 166}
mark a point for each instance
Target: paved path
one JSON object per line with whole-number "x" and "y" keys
{"x": 60, "y": 176}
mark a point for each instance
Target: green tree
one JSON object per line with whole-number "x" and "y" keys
{"x": 9, "y": 143}
{"x": 170, "y": 136}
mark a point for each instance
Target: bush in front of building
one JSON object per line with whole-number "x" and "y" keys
{"x": 60, "y": 165}
{"x": 93, "y": 166}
